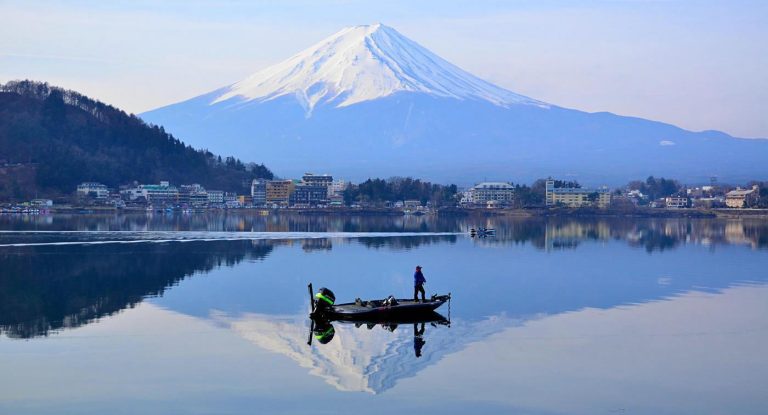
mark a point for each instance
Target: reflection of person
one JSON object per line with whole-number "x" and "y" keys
{"x": 418, "y": 338}
{"x": 418, "y": 284}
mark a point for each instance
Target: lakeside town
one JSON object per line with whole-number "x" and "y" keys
{"x": 322, "y": 192}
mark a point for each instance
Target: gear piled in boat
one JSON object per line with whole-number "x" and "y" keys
{"x": 324, "y": 306}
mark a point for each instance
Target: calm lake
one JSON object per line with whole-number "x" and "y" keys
{"x": 207, "y": 314}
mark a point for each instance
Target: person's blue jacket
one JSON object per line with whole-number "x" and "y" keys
{"x": 418, "y": 278}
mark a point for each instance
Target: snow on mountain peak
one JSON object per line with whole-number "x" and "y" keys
{"x": 362, "y": 63}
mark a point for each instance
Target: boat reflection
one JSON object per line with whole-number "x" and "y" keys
{"x": 322, "y": 329}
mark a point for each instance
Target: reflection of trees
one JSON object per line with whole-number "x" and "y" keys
{"x": 757, "y": 234}
{"x": 653, "y": 240}
{"x": 405, "y": 242}
{"x": 545, "y": 233}
{"x": 658, "y": 235}
{"x": 246, "y": 220}
{"x": 45, "y": 288}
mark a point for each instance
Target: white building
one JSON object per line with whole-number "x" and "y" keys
{"x": 43, "y": 203}
{"x": 193, "y": 194}
{"x": 216, "y": 197}
{"x": 677, "y": 202}
{"x": 230, "y": 198}
{"x": 154, "y": 193}
{"x": 259, "y": 192}
{"x": 93, "y": 189}
{"x": 498, "y": 193}
{"x": 337, "y": 187}
{"x": 411, "y": 204}
{"x": 741, "y": 198}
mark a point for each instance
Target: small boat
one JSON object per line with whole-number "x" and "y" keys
{"x": 324, "y": 306}
{"x": 482, "y": 232}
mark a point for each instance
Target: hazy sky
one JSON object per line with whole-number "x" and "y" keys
{"x": 697, "y": 64}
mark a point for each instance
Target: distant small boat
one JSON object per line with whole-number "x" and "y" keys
{"x": 482, "y": 232}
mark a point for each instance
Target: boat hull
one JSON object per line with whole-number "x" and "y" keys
{"x": 377, "y": 310}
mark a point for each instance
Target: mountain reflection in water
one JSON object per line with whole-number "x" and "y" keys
{"x": 47, "y": 288}
{"x": 367, "y": 357}
{"x": 209, "y": 314}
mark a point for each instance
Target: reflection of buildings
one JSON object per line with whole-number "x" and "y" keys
{"x": 317, "y": 244}
{"x": 360, "y": 359}
{"x": 650, "y": 234}
{"x": 570, "y": 234}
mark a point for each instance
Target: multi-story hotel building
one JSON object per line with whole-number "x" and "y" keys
{"x": 278, "y": 192}
{"x": 576, "y": 197}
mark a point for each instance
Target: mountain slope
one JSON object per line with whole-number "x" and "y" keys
{"x": 363, "y": 63}
{"x": 368, "y": 101}
{"x": 66, "y": 138}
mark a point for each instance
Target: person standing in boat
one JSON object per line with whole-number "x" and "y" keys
{"x": 418, "y": 285}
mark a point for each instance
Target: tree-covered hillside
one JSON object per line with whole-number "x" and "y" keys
{"x": 51, "y": 139}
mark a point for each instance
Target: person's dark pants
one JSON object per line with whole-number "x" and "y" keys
{"x": 419, "y": 288}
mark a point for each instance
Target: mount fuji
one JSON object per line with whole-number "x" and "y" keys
{"x": 367, "y": 101}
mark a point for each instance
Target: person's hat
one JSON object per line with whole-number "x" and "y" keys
{"x": 418, "y": 266}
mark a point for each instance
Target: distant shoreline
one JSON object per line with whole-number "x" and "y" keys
{"x": 559, "y": 212}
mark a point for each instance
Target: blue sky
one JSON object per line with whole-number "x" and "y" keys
{"x": 697, "y": 64}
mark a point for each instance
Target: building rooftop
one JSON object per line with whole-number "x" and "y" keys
{"x": 562, "y": 190}
{"x": 493, "y": 185}
{"x": 740, "y": 192}
{"x": 157, "y": 187}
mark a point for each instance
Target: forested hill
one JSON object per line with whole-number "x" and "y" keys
{"x": 52, "y": 139}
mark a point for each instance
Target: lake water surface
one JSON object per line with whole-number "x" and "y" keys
{"x": 207, "y": 313}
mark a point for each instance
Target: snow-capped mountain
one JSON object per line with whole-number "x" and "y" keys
{"x": 363, "y": 63}
{"x": 367, "y": 101}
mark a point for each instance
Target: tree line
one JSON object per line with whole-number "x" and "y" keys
{"x": 70, "y": 138}
{"x": 377, "y": 191}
